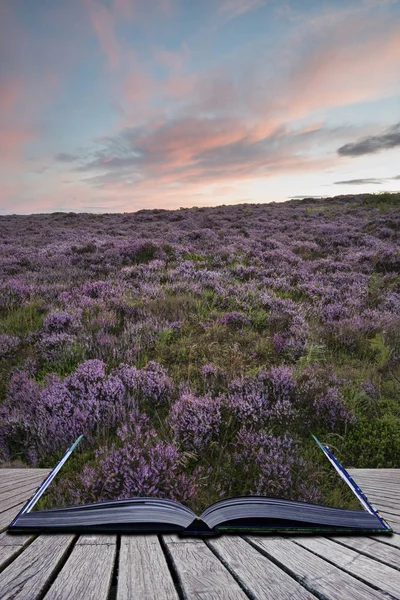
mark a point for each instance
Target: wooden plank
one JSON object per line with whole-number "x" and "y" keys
{"x": 389, "y": 509}
{"x": 377, "y": 574}
{"x": 389, "y": 473}
{"x": 30, "y": 573}
{"x": 257, "y": 574}
{"x": 88, "y": 570}
{"x": 11, "y": 545}
{"x": 384, "y": 492}
{"x": 317, "y": 575}
{"x": 35, "y": 471}
{"x": 16, "y": 489}
{"x": 389, "y": 517}
{"x": 15, "y": 500}
{"x": 23, "y": 474}
{"x": 372, "y": 548}
{"x": 377, "y": 501}
{"x": 12, "y": 482}
{"x": 200, "y": 573}
{"x": 375, "y": 486}
{"x": 143, "y": 571}
{"x": 392, "y": 540}
{"x": 7, "y": 516}
{"x": 374, "y": 482}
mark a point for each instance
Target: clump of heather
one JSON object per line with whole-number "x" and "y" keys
{"x": 14, "y": 293}
{"x": 321, "y": 400}
{"x": 271, "y": 466}
{"x": 138, "y": 464}
{"x": 152, "y": 383}
{"x": 8, "y": 345}
{"x": 234, "y": 319}
{"x": 52, "y": 346}
{"x": 288, "y": 326}
{"x": 195, "y": 421}
{"x": 280, "y": 397}
{"x": 267, "y": 397}
{"x": 59, "y": 321}
{"x": 41, "y": 419}
{"x": 370, "y": 390}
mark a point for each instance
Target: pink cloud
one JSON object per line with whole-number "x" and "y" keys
{"x": 124, "y": 8}
{"x": 338, "y": 75}
{"x": 173, "y": 60}
{"x": 104, "y": 21}
{"x": 329, "y": 68}
{"x": 234, "y": 8}
{"x": 14, "y": 134}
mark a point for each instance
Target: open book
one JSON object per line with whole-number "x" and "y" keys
{"x": 245, "y": 514}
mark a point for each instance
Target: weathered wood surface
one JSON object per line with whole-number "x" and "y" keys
{"x": 91, "y": 555}
{"x": 165, "y": 567}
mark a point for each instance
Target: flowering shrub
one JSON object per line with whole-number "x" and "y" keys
{"x": 151, "y": 383}
{"x": 59, "y": 321}
{"x": 14, "y": 293}
{"x": 52, "y": 346}
{"x": 274, "y": 464}
{"x": 41, "y": 420}
{"x": 8, "y": 345}
{"x": 195, "y": 421}
{"x": 234, "y": 319}
{"x": 267, "y": 397}
{"x": 138, "y": 465}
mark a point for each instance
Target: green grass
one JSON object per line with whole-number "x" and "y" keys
{"x": 24, "y": 319}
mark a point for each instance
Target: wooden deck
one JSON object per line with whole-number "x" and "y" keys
{"x": 165, "y": 567}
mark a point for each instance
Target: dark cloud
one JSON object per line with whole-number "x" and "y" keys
{"x": 396, "y": 177}
{"x": 66, "y": 157}
{"x": 373, "y": 143}
{"x": 358, "y": 181}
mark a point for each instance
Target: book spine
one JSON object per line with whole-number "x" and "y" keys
{"x": 198, "y": 528}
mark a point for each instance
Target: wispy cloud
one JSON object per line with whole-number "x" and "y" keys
{"x": 66, "y": 157}
{"x": 358, "y": 181}
{"x": 374, "y": 143}
{"x": 103, "y": 20}
{"x": 233, "y": 8}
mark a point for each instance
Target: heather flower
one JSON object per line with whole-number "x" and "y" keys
{"x": 279, "y": 342}
{"x": 209, "y": 370}
{"x": 195, "y": 420}
{"x": 329, "y": 410}
{"x": 52, "y": 346}
{"x": 14, "y": 293}
{"x": 140, "y": 465}
{"x": 267, "y": 397}
{"x": 59, "y": 321}
{"x": 370, "y": 389}
{"x": 87, "y": 401}
{"x": 272, "y": 465}
{"x": 234, "y": 319}
{"x": 320, "y": 400}
{"x": 151, "y": 383}
{"x": 8, "y": 345}
{"x": 154, "y": 384}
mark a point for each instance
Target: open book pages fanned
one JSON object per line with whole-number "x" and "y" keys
{"x": 250, "y": 514}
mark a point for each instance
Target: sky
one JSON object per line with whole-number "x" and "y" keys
{"x": 121, "y": 105}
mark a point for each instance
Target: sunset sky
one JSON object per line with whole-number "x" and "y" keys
{"x": 119, "y": 105}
